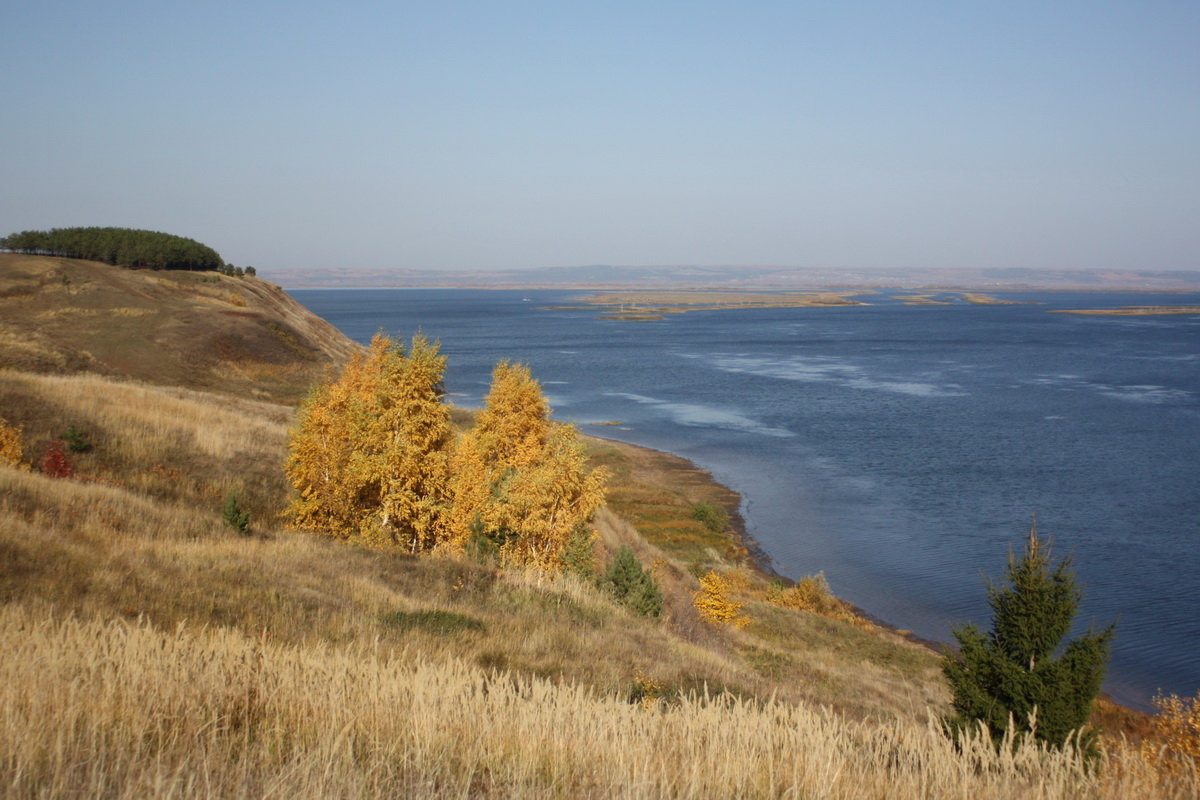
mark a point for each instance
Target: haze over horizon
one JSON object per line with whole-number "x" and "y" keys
{"x": 486, "y": 135}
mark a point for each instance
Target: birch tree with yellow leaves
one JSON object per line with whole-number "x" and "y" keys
{"x": 519, "y": 478}
{"x": 369, "y": 457}
{"x": 373, "y": 459}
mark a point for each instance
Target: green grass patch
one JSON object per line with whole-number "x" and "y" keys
{"x": 768, "y": 663}
{"x": 711, "y": 516}
{"x": 547, "y": 604}
{"x": 439, "y": 623}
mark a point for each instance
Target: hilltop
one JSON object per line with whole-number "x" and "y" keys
{"x": 148, "y": 649}
{"x": 199, "y": 330}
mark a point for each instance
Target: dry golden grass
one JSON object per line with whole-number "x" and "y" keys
{"x": 658, "y": 493}
{"x": 123, "y": 710}
{"x": 172, "y": 444}
{"x": 104, "y": 551}
{"x": 171, "y": 327}
{"x": 70, "y": 312}
{"x": 148, "y": 417}
{"x": 30, "y": 350}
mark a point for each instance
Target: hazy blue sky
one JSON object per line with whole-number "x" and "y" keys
{"x": 512, "y": 134}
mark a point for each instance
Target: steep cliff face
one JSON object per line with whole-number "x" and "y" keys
{"x": 202, "y": 330}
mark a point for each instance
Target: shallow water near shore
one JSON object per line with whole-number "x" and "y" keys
{"x": 901, "y": 449}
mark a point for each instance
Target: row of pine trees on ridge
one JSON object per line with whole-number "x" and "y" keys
{"x": 124, "y": 246}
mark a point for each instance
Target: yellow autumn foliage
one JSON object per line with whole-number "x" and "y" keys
{"x": 1175, "y": 748}
{"x": 519, "y": 477}
{"x": 417, "y": 462}
{"x": 372, "y": 458}
{"x": 812, "y": 594}
{"x": 10, "y": 444}
{"x": 715, "y": 603}
{"x": 514, "y": 424}
{"x": 470, "y": 490}
{"x": 543, "y": 503}
{"x": 369, "y": 455}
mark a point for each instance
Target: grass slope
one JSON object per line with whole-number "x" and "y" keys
{"x": 201, "y": 330}
{"x": 138, "y": 533}
{"x": 121, "y": 710}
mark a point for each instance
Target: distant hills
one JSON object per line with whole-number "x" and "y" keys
{"x": 740, "y": 277}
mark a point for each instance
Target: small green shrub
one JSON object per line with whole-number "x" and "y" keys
{"x": 632, "y": 585}
{"x": 235, "y": 516}
{"x": 76, "y": 440}
{"x": 711, "y": 516}
{"x": 440, "y": 623}
{"x": 579, "y": 555}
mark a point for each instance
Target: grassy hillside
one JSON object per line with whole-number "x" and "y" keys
{"x": 241, "y": 336}
{"x": 149, "y": 650}
{"x": 138, "y": 533}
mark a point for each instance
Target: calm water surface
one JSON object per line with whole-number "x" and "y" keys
{"x": 899, "y": 449}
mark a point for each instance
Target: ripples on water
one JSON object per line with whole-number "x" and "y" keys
{"x": 900, "y": 449}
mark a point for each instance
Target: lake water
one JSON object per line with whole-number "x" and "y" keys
{"x": 901, "y": 449}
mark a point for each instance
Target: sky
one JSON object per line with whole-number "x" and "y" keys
{"x": 499, "y": 135}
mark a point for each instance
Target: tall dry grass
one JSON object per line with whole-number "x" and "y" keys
{"x": 167, "y": 443}
{"x": 149, "y": 417}
{"x": 122, "y": 710}
{"x": 101, "y": 551}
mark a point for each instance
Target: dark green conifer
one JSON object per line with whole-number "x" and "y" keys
{"x": 632, "y": 585}
{"x": 235, "y": 516}
{"x": 579, "y": 553}
{"x": 77, "y": 440}
{"x": 1017, "y": 676}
